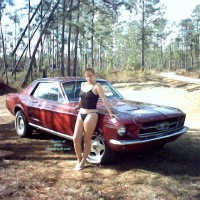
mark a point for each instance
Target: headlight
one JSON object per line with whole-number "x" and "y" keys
{"x": 121, "y": 131}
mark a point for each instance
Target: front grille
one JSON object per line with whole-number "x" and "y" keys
{"x": 161, "y": 127}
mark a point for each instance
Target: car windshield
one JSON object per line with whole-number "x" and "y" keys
{"x": 72, "y": 90}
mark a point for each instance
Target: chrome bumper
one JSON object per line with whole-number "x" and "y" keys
{"x": 139, "y": 141}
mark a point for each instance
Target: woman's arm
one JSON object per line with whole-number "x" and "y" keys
{"x": 102, "y": 96}
{"x": 79, "y": 105}
{"x": 79, "y": 102}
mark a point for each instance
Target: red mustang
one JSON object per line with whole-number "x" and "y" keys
{"x": 48, "y": 104}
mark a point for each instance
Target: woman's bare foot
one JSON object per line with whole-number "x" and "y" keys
{"x": 78, "y": 167}
{"x": 82, "y": 164}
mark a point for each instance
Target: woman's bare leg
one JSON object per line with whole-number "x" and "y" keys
{"x": 89, "y": 127}
{"x": 77, "y": 137}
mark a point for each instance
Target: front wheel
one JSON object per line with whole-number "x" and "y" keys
{"x": 100, "y": 152}
{"x": 21, "y": 125}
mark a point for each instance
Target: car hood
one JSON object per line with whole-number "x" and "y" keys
{"x": 140, "y": 111}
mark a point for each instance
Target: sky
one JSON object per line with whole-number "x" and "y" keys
{"x": 176, "y": 10}
{"x": 179, "y": 9}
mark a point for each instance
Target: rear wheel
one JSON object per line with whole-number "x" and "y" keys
{"x": 21, "y": 124}
{"x": 100, "y": 152}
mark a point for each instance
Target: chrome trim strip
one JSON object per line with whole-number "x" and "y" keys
{"x": 52, "y": 132}
{"x": 139, "y": 141}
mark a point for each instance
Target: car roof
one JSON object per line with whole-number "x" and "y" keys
{"x": 65, "y": 79}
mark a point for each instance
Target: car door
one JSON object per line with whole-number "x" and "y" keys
{"x": 49, "y": 106}
{"x": 71, "y": 90}
{"x": 51, "y": 110}
{"x": 54, "y": 107}
{"x": 56, "y": 113}
{"x": 43, "y": 103}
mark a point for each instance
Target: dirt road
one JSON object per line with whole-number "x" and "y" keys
{"x": 29, "y": 171}
{"x": 173, "y": 90}
{"x": 173, "y": 76}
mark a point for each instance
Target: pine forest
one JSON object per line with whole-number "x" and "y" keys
{"x": 62, "y": 38}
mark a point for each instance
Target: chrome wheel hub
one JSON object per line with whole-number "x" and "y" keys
{"x": 97, "y": 149}
{"x": 19, "y": 125}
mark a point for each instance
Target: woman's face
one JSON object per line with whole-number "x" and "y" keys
{"x": 90, "y": 77}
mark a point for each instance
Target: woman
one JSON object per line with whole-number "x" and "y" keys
{"x": 87, "y": 118}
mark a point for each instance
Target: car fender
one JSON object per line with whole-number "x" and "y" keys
{"x": 18, "y": 107}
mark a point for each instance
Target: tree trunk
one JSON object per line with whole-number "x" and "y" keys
{"x": 41, "y": 42}
{"x": 76, "y": 42}
{"x": 62, "y": 70}
{"x": 57, "y": 57}
{"x": 4, "y": 53}
{"x": 14, "y": 56}
{"x": 53, "y": 50}
{"x": 69, "y": 42}
{"x": 29, "y": 34}
{"x": 100, "y": 58}
{"x": 92, "y": 38}
{"x": 161, "y": 54}
{"x": 143, "y": 35}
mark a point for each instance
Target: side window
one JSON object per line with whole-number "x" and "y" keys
{"x": 68, "y": 87}
{"x": 48, "y": 91}
{"x": 72, "y": 90}
{"x": 107, "y": 90}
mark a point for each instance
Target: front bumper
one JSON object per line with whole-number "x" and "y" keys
{"x": 140, "y": 141}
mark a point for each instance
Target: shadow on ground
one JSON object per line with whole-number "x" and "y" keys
{"x": 181, "y": 157}
{"x": 40, "y": 147}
